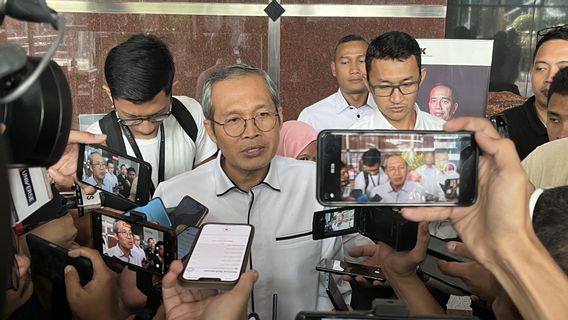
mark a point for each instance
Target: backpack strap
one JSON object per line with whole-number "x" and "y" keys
{"x": 110, "y": 126}
{"x": 366, "y": 176}
{"x": 184, "y": 118}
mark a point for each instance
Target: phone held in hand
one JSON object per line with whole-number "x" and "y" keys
{"x": 116, "y": 174}
{"x": 218, "y": 256}
{"x": 351, "y": 269}
{"x": 396, "y": 168}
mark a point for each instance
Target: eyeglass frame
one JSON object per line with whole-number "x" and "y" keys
{"x": 544, "y": 31}
{"x": 244, "y": 127}
{"x": 100, "y": 164}
{"x": 127, "y": 233}
{"x": 140, "y": 120}
{"x": 397, "y": 86}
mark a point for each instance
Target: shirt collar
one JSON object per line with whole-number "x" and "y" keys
{"x": 341, "y": 103}
{"x": 384, "y": 122}
{"x": 224, "y": 184}
{"x": 404, "y": 187}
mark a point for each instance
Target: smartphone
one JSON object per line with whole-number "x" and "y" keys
{"x": 335, "y": 295}
{"x": 115, "y": 173}
{"x": 185, "y": 240}
{"x": 218, "y": 256}
{"x": 334, "y": 222}
{"x": 499, "y": 121}
{"x": 154, "y": 212}
{"x": 417, "y": 163}
{"x": 189, "y": 212}
{"x": 142, "y": 245}
{"x": 352, "y": 269}
{"x": 49, "y": 260}
{"x": 429, "y": 267}
{"x": 439, "y": 248}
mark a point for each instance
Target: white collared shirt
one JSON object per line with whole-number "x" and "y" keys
{"x": 376, "y": 120}
{"x": 281, "y": 209}
{"x": 334, "y": 112}
{"x": 131, "y": 257}
{"x": 411, "y": 192}
{"x": 105, "y": 185}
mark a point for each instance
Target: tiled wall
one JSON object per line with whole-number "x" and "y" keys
{"x": 200, "y": 42}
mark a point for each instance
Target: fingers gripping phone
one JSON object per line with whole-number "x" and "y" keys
{"x": 115, "y": 173}
{"x": 218, "y": 256}
{"x": 396, "y": 168}
{"x": 351, "y": 269}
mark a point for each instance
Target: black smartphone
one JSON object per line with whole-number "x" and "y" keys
{"x": 185, "y": 240}
{"x": 429, "y": 267}
{"x": 189, "y": 212}
{"x": 408, "y": 168}
{"x": 335, "y": 295}
{"x": 439, "y": 248}
{"x": 334, "y": 222}
{"x": 115, "y": 173}
{"x": 140, "y": 244}
{"x": 352, "y": 269}
{"x": 218, "y": 256}
{"x": 49, "y": 260}
{"x": 499, "y": 121}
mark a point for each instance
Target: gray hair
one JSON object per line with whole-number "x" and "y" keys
{"x": 232, "y": 72}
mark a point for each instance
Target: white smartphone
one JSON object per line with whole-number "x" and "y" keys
{"x": 218, "y": 256}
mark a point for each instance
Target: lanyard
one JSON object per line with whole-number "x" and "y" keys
{"x": 134, "y": 146}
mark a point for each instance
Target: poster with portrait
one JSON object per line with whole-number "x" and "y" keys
{"x": 457, "y": 77}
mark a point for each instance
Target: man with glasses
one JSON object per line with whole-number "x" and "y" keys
{"x": 146, "y": 121}
{"x": 394, "y": 75}
{"x": 123, "y": 249}
{"x": 247, "y": 183}
{"x": 98, "y": 167}
{"x": 527, "y": 123}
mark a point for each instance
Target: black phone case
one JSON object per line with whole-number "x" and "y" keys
{"x": 50, "y": 260}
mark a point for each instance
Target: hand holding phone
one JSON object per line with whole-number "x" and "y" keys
{"x": 352, "y": 269}
{"x": 218, "y": 256}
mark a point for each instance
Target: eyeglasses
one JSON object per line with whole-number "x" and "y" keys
{"x": 386, "y": 90}
{"x": 542, "y": 32}
{"x": 159, "y": 117}
{"x": 98, "y": 164}
{"x": 235, "y": 126}
{"x": 14, "y": 282}
{"x": 127, "y": 234}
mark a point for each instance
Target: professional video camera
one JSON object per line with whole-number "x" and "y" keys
{"x": 35, "y": 114}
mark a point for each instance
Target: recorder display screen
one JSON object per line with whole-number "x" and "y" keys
{"x": 339, "y": 220}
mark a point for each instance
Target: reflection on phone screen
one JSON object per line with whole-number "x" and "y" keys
{"x": 339, "y": 220}
{"x": 185, "y": 241}
{"x": 110, "y": 172}
{"x": 134, "y": 244}
{"x": 219, "y": 252}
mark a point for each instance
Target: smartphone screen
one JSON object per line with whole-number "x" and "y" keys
{"x": 155, "y": 212}
{"x": 439, "y": 249}
{"x": 115, "y": 173}
{"x": 189, "y": 212}
{"x": 500, "y": 123}
{"x": 142, "y": 245}
{"x": 396, "y": 168}
{"x": 334, "y": 222}
{"x": 352, "y": 269}
{"x": 219, "y": 253}
{"x": 185, "y": 241}
{"x": 430, "y": 267}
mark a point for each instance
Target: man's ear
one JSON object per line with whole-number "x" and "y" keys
{"x": 280, "y": 115}
{"x": 106, "y": 89}
{"x": 210, "y": 132}
{"x": 333, "y": 72}
{"x": 423, "y": 73}
{"x": 455, "y": 108}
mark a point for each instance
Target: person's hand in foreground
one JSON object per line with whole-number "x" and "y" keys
{"x": 63, "y": 172}
{"x": 99, "y": 298}
{"x": 497, "y": 228}
{"x": 184, "y": 303}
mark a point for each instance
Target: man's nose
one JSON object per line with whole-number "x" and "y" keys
{"x": 396, "y": 96}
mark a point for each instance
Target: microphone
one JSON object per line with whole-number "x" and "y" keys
{"x": 29, "y": 10}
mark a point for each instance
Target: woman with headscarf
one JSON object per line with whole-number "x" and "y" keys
{"x": 297, "y": 140}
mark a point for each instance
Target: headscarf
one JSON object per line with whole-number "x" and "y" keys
{"x": 295, "y": 136}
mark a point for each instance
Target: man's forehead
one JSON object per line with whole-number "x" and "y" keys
{"x": 351, "y": 48}
{"x": 552, "y": 51}
{"x": 394, "y": 70}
